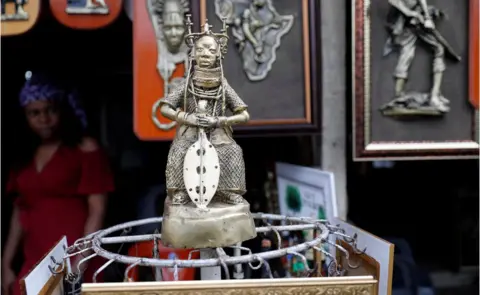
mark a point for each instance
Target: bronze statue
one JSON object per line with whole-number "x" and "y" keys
{"x": 168, "y": 20}
{"x": 205, "y": 169}
{"x": 410, "y": 21}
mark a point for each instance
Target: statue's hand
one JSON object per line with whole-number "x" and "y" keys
{"x": 207, "y": 121}
{"x": 429, "y": 24}
{"x": 191, "y": 119}
{"x": 258, "y": 49}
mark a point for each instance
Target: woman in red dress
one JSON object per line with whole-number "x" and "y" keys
{"x": 61, "y": 182}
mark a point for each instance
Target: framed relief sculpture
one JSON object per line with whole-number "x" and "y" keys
{"x": 411, "y": 79}
{"x": 18, "y": 16}
{"x": 273, "y": 62}
{"x": 86, "y": 14}
{"x": 160, "y": 56}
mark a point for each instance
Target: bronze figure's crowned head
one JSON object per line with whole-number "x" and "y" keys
{"x": 207, "y": 48}
{"x": 172, "y": 20}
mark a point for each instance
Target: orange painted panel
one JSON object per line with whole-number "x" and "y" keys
{"x": 148, "y": 85}
{"x": 474, "y": 83}
{"x": 16, "y": 23}
{"x": 82, "y": 20}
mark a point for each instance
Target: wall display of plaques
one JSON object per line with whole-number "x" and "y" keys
{"x": 86, "y": 14}
{"x": 272, "y": 59}
{"x": 18, "y": 16}
{"x": 160, "y": 57}
{"x": 415, "y": 86}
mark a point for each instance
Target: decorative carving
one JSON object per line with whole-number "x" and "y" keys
{"x": 87, "y": 7}
{"x": 346, "y": 289}
{"x": 19, "y": 13}
{"x": 168, "y": 20}
{"x": 257, "y": 29}
{"x": 410, "y": 21}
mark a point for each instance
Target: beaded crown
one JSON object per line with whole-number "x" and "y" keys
{"x": 221, "y": 38}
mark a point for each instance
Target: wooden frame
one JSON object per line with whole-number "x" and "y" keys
{"x": 474, "y": 74}
{"x": 364, "y": 147}
{"x": 311, "y": 61}
{"x": 321, "y": 286}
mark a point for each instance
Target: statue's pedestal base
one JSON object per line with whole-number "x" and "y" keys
{"x": 222, "y": 225}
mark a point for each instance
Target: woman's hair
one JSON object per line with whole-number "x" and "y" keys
{"x": 72, "y": 123}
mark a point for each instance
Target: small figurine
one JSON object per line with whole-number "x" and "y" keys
{"x": 87, "y": 7}
{"x": 205, "y": 168}
{"x": 410, "y": 21}
{"x": 20, "y": 13}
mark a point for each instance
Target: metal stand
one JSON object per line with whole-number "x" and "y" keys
{"x": 213, "y": 260}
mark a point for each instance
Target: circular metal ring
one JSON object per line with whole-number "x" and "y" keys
{"x": 304, "y": 224}
{"x": 156, "y": 121}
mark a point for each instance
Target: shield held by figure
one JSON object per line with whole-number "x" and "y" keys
{"x": 201, "y": 171}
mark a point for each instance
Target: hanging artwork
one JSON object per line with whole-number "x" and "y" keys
{"x": 160, "y": 56}
{"x": 258, "y": 29}
{"x": 274, "y": 61}
{"x": 411, "y": 86}
{"x": 18, "y": 16}
{"x": 86, "y": 14}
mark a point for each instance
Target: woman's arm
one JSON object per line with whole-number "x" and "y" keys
{"x": 96, "y": 202}
{"x": 96, "y": 213}
{"x": 13, "y": 240}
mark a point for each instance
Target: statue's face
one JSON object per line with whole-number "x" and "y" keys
{"x": 206, "y": 52}
{"x": 173, "y": 25}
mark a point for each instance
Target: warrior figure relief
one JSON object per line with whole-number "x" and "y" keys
{"x": 87, "y": 7}
{"x": 199, "y": 105}
{"x": 410, "y": 21}
{"x": 168, "y": 20}
{"x": 20, "y": 13}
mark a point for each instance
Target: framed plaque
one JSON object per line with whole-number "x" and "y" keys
{"x": 272, "y": 60}
{"x": 160, "y": 56}
{"x": 415, "y": 80}
{"x": 86, "y": 14}
{"x": 18, "y": 17}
